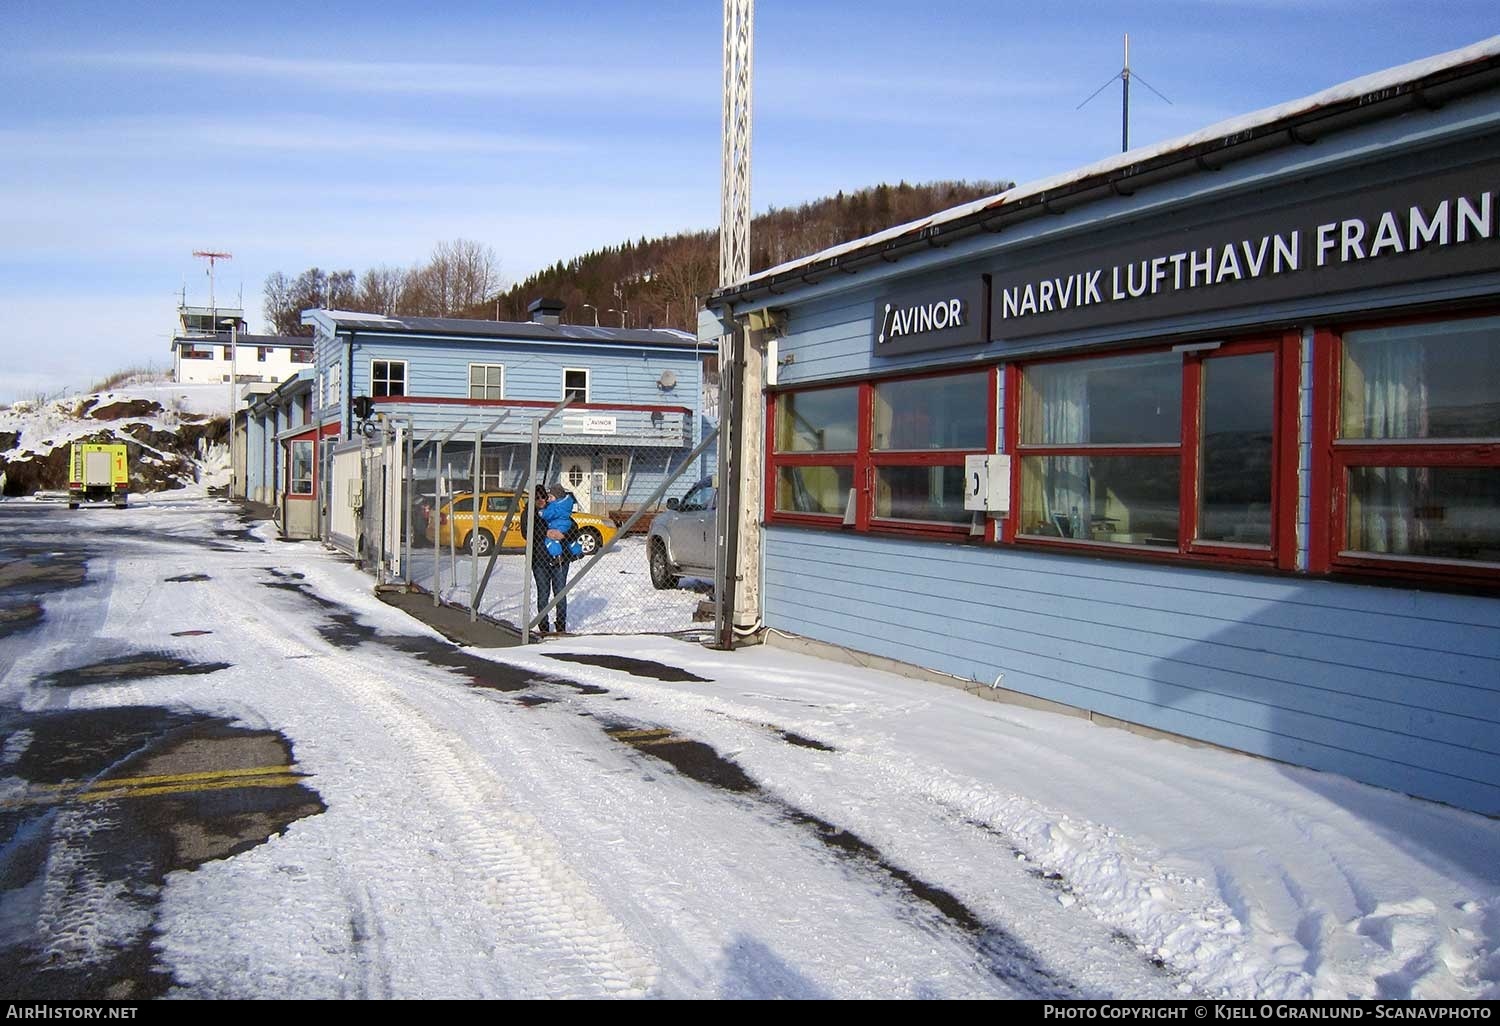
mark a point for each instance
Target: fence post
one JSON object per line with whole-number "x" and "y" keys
{"x": 437, "y": 544}
{"x": 474, "y": 531}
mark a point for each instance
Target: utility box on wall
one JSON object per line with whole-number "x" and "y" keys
{"x": 987, "y": 484}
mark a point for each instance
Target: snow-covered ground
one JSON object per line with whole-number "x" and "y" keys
{"x": 614, "y": 597}
{"x": 56, "y": 421}
{"x": 476, "y": 844}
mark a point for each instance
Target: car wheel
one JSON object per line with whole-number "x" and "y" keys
{"x": 589, "y": 541}
{"x": 661, "y": 568}
{"x": 485, "y": 543}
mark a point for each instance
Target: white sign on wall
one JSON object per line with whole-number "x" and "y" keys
{"x": 590, "y": 425}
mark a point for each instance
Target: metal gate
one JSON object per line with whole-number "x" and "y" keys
{"x": 480, "y": 553}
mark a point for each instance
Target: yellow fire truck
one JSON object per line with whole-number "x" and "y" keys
{"x": 98, "y": 473}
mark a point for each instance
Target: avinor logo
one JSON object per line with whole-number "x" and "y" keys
{"x": 916, "y": 320}
{"x": 935, "y": 317}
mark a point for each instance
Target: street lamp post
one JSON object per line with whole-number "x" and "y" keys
{"x": 234, "y": 350}
{"x": 591, "y": 306}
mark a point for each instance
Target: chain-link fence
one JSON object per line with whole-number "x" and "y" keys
{"x": 629, "y": 562}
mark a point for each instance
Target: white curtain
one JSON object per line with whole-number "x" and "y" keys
{"x": 1065, "y": 402}
{"x": 1395, "y": 406}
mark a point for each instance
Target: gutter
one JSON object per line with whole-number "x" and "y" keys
{"x": 1428, "y": 93}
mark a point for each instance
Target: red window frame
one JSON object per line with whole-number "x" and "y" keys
{"x": 1333, "y": 457}
{"x": 847, "y": 458}
{"x": 864, "y": 459}
{"x": 1280, "y": 553}
{"x": 312, "y": 481}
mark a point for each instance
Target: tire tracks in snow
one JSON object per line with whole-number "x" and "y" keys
{"x": 553, "y": 936}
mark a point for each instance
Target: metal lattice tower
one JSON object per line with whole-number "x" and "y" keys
{"x": 734, "y": 194}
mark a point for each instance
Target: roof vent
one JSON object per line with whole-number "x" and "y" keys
{"x": 546, "y": 311}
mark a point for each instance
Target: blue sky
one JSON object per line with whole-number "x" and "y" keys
{"x": 352, "y": 135}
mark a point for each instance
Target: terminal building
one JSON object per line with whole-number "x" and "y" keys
{"x": 1202, "y": 438}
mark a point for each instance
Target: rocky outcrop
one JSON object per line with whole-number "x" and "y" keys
{"x": 160, "y": 459}
{"x": 127, "y": 408}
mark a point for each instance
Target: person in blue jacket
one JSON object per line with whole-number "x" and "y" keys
{"x": 561, "y": 547}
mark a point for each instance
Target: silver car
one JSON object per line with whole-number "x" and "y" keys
{"x": 681, "y": 540}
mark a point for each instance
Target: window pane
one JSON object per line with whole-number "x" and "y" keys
{"x": 920, "y": 493}
{"x": 1129, "y": 500}
{"x": 476, "y": 374}
{"x": 823, "y": 421}
{"x": 813, "y": 489}
{"x": 614, "y": 475}
{"x": 1423, "y": 381}
{"x": 1436, "y": 512}
{"x": 1120, "y": 400}
{"x": 701, "y": 497}
{"x": 1234, "y": 495}
{"x": 498, "y": 503}
{"x": 302, "y": 463}
{"x": 933, "y": 413}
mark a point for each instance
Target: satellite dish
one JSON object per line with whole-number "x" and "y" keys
{"x": 667, "y": 380}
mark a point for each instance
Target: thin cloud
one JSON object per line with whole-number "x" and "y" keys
{"x": 416, "y": 77}
{"x": 155, "y": 135}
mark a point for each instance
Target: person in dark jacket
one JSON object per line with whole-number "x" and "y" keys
{"x": 553, "y": 521}
{"x": 542, "y": 564}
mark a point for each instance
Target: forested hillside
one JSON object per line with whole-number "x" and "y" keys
{"x": 646, "y": 283}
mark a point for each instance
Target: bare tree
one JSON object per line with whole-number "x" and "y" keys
{"x": 310, "y": 290}
{"x": 681, "y": 281}
{"x": 382, "y": 289}
{"x": 460, "y": 275}
{"x": 279, "y": 304}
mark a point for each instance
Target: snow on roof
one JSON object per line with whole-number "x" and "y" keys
{"x": 1364, "y": 85}
{"x": 333, "y": 320}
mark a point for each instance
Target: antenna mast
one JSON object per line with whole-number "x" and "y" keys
{"x": 1124, "y": 75}
{"x": 212, "y": 256}
{"x": 734, "y": 193}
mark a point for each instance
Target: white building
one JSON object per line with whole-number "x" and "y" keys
{"x": 201, "y": 349}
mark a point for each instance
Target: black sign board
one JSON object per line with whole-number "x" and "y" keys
{"x": 1444, "y": 223}
{"x": 916, "y": 320}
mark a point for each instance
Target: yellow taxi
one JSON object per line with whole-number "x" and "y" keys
{"x": 455, "y": 524}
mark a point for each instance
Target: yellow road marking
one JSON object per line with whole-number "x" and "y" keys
{"x": 159, "y": 784}
{"x": 281, "y": 780}
{"x": 164, "y": 778}
{"x": 656, "y": 734}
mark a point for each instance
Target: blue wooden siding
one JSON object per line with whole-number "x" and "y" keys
{"x": 1390, "y": 686}
{"x": 533, "y": 370}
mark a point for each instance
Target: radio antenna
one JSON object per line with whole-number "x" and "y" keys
{"x": 1124, "y": 75}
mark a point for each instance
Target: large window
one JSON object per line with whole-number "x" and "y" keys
{"x": 816, "y": 433}
{"x": 1176, "y": 451}
{"x": 886, "y": 455}
{"x": 387, "y": 378}
{"x": 1410, "y": 451}
{"x": 486, "y": 381}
